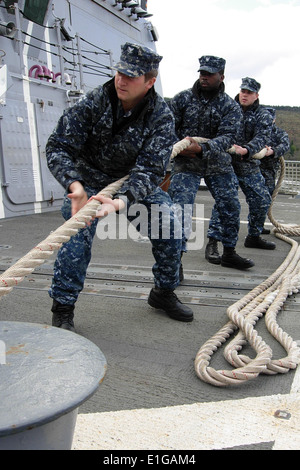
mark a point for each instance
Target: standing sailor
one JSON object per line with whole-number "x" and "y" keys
{"x": 121, "y": 128}
{"x": 205, "y": 110}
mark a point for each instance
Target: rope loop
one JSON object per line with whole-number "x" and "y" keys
{"x": 266, "y": 299}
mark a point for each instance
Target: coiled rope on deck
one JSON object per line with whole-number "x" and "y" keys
{"x": 266, "y": 298}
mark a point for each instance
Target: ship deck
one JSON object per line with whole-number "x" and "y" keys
{"x": 151, "y": 397}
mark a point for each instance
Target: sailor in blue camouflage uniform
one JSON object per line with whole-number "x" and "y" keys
{"x": 278, "y": 146}
{"x": 120, "y": 128}
{"x": 254, "y": 135}
{"x": 270, "y": 164}
{"x": 205, "y": 110}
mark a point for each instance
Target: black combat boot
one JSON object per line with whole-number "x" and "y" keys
{"x": 231, "y": 259}
{"x": 211, "y": 252}
{"x": 258, "y": 242}
{"x": 168, "y": 301}
{"x": 63, "y": 316}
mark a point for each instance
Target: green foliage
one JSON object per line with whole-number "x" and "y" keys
{"x": 288, "y": 118}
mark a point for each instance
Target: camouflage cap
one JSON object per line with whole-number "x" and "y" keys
{"x": 137, "y": 60}
{"x": 250, "y": 84}
{"x": 211, "y": 64}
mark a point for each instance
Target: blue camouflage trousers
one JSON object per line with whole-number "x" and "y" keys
{"x": 224, "y": 190}
{"x": 269, "y": 175}
{"x": 258, "y": 200}
{"x": 74, "y": 256}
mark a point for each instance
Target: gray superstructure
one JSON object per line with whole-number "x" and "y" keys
{"x": 52, "y": 52}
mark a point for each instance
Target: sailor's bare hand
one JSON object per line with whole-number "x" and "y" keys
{"x": 240, "y": 150}
{"x": 270, "y": 151}
{"x": 78, "y": 196}
{"x": 108, "y": 205}
{"x": 192, "y": 150}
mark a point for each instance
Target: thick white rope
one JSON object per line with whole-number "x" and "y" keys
{"x": 293, "y": 230}
{"x": 268, "y": 297}
{"x": 37, "y": 256}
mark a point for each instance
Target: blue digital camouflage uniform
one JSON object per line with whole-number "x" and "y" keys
{"x": 269, "y": 166}
{"x": 96, "y": 144}
{"x": 254, "y": 134}
{"x": 217, "y": 119}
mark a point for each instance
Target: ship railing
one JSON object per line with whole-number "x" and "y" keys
{"x": 291, "y": 181}
{"x": 75, "y": 57}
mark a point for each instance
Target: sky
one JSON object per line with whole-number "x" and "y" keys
{"x": 257, "y": 38}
